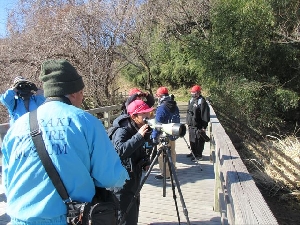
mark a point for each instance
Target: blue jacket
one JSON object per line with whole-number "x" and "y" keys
{"x": 164, "y": 111}
{"x": 80, "y": 150}
{"x": 10, "y": 98}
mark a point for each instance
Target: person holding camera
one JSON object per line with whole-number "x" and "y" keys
{"x": 130, "y": 132}
{"x": 167, "y": 112}
{"x": 76, "y": 142}
{"x": 137, "y": 94}
{"x": 197, "y": 118}
{"x": 23, "y": 97}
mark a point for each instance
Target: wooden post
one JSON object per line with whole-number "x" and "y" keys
{"x": 107, "y": 119}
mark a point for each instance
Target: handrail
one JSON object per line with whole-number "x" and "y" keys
{"x": 237, "y": 197}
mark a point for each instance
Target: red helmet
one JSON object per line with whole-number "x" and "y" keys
{"x": 162, "y": 91}
{"x": 196, "y": 88}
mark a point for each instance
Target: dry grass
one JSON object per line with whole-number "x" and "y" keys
{"x": 284, "y": 164}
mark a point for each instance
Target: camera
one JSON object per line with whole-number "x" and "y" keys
{"x": 174, "y": 129}
{"x": 26, "y": 86}
{"x": 23, "y": 86}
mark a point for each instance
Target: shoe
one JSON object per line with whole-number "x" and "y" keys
{"x": 189, "y": 155}
{"x": 196, "y": 159}
{"x": 160, "y": 177}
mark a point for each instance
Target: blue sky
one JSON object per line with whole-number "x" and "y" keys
{"x": 4, "y": 6}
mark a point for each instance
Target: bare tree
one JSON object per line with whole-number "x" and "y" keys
{"x": 87, "y": 33}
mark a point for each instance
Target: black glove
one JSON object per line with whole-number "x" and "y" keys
{"x": 33, "y": 86}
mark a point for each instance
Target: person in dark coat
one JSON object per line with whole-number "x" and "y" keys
{"x": 129, "y": 139}
{"x": 197, "y": 118}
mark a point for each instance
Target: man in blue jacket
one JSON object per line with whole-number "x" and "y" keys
{"x": 23, "y": 97}
{"x": 166, "y": 109}
{"x": 76, "y": 142}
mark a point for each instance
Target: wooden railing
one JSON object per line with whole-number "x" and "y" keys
{"x": 110, "y": 113}
{"x": 237, "y": 197}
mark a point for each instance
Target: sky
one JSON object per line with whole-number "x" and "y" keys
{"x": 4, "y": 6}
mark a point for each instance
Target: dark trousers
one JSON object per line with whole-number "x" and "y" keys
{"x": 197, "y": 147}
{"x": 197, "y": 143}
{"x": 133, "y": 214}
{"x": 126, "y": 195}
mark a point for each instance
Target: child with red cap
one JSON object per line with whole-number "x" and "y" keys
{"x": 129, "y": 135}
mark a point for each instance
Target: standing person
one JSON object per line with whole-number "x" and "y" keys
{"x": 129, "y": 137}
{"x": 197, "y": 118}
{"x": 76, "y": 142}
{"x": 165, "y": 112}
{"x": 137, "y": 94}
{"x": 23, "y": 97}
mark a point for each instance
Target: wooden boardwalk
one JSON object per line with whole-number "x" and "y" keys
{"x": 197, "y": 189}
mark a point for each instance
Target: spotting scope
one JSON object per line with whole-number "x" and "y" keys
{"x": 174, "y": 129}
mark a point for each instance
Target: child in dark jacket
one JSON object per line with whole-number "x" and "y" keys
{"x": 129, "y": 140}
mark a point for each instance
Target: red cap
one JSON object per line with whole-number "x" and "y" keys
{"x": 133, "y": 91}
{"x": 138, "y": 106}
{"x": 162, "y": 91}
{"x": 196, "y": 88}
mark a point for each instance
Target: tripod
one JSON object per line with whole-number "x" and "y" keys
{"x": 196, "y": 160}
{"x": 166, "y": 151}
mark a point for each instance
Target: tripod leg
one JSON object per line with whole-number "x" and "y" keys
{"x": 164, "y": 171}
{"x": 173, "y": 190}
{"x": 173, "y": 172}
{"x": 196, "y": 160}
{"x": 136, "y": 194}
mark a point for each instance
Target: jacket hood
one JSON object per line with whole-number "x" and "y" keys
{"x": 121, "y": 120}
{"x": 169, "y": 103}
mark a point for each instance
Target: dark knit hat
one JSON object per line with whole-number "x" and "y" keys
{"x": 60, "y": 78}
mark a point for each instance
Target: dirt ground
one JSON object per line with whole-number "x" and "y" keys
{"x": 285, "y": 210}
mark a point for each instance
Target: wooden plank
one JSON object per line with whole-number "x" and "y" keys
{"x": 104, "y": 109}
